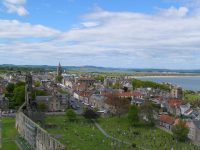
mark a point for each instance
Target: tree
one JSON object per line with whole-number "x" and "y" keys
{"x": 19, "y": 95}
{"x": 71, "y": 115}
{"x": 10, "y": 87}
{"x": 146, "y": 113}
{"x": 119, "y": 105}
{"x": 42, "y": 106}
{"x": 59, "y": 79}
{"x": 90, "y": 114}
{"x": 180, "y": 130}
{"x": 20, "y": 83}
{"x": 37, "y": 84}
{"x": 133, "y": 115}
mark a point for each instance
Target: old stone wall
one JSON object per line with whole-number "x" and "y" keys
{"x": 36, "y": 136}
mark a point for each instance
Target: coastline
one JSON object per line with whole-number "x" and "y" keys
{"x": 167, "y": 76}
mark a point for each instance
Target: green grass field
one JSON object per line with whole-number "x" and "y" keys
{"x": 8, "y": 134}
{"x": 143, "y": 136}
{"x": 82, "y": 135}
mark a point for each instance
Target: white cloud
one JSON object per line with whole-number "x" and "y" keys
{"x": 174, "y": 12}
{"x": 16, "y": 6}
{"x": 104, "y": 38}
{"x": 24, "y": 30}
{"x": 90, "y": 24}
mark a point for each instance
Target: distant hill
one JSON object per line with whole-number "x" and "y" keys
{"x": 95, "y": 69}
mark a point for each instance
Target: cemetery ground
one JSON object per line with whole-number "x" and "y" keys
{"x": 84, "y": 135}
{"x": 8, "y": 134}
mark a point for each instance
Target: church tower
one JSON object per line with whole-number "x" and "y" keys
{"x": 59, "y": 70}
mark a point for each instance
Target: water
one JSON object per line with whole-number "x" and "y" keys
{"x": 187, "y": 83}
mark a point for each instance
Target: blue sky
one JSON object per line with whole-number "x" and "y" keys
{"x": 109, "y": 33}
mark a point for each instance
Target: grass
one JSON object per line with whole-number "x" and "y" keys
{"x": 143, "y": 136}
{"x": 192, "y": 97}
{"x": 80, "y": 135}
{"x": 83, "y": 135}
{"x": 8, "y": 134}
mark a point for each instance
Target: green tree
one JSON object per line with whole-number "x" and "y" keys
{"x": 10, "y": 87}
{"x": 42, "y": 106}
{"x": 19, "y": 95}
{"x": 90, "y": 114}
{"x": 39, "y": 93}
{"x": 71, "y": 115}
{"x": 146, "y": 113}
{"x": 133, "y": 115}
{"x": 59, "y": 79}
{"x": 37, "y": 84}
{"x": 20, "y": 83}
{"x": 180, "y": 130}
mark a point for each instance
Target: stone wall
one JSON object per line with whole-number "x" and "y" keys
{"x": 36, "y": 136}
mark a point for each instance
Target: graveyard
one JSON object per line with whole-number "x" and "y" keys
{"x": 84, "y": 135}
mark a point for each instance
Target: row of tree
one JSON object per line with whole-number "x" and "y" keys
{"x": 143, "y": 84}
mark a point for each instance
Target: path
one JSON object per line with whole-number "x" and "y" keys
{"x": 111, "y": 137}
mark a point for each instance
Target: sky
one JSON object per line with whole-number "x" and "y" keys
{"x": 161, "y": 34}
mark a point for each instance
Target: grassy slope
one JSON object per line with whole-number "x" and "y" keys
{"x": 79, "y": 135}
{"x": 119, "y": 127}
{"x": 9, "y": 132}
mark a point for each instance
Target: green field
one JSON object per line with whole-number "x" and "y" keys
{"x": 143, "y": 136}
{"x": 85, "y": 136}
{"x": 80, "y": 135}
{"x": 9, "y": 134}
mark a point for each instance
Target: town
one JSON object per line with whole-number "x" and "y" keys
{"x": 96, "y": 111}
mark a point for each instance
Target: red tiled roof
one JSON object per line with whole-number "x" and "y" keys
{"x": 124, "y": 94}
{"x": 174, "y": 103}
{"x": 167, "y": 119}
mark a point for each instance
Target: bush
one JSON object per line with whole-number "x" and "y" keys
{"x": 90, "y": 114}
{"x": 71, "y": 115}
{"x": 133, "y": 115}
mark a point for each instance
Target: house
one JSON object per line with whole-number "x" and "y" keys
{"x": 176, "y": 92}
{"x": 124, "y": 94}
{"x": 166, "y": 121}
{"x": 83, "y": 95}
{"x": 97, "y": 101}
{"x": 137, "y": 101}
{"x": 194, "y": 130}
{"x": 52, "y": 102}
{"x": 184, "y": 108}
{"x": 173, "y": 106}
{"x": 4, "y": 102}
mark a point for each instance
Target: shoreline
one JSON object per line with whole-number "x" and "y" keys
{"x": 170, "y": 76}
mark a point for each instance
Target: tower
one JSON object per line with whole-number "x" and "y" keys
{"x": 28, "y": 90}
{"x": 59, "y": 70}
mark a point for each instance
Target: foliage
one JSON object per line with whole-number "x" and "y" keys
{"x": 19, "y": 95}
{"x": 37, "y": 84}
{"x": 20, "y": 83}
{"x": 39, "y": 93}
{"x": 90, "y": 114}
{"x": 119, "y": 105}
{"x": 42, "y": 106}
{"x": 100, "y": 78}
{"x": 116, "y": 86}
{"x": 59, "y": 79}
{"x": 180, "y": 130}
{"x": 192, "y": 98}
{"x": 133, "y": 115}
{"x": 146, "y": 113}
{"x": 10, "y": 87}
{"x": 71, "y": 115}
{"x": 144, "y": 84}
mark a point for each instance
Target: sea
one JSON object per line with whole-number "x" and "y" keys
{"x": 187, "y": 83}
